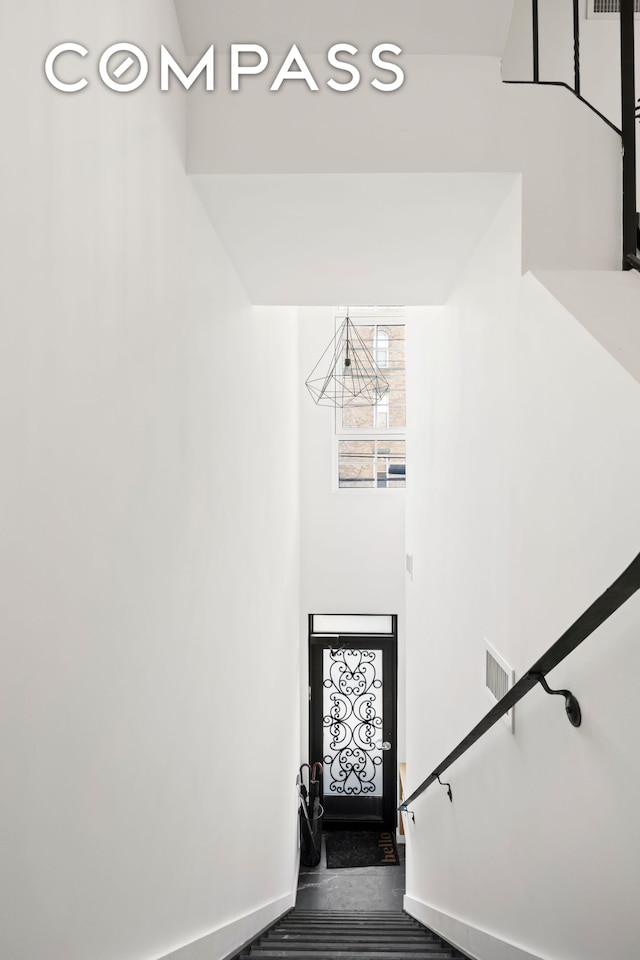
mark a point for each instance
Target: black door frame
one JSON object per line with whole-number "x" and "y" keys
{"x": 388, "y": 643}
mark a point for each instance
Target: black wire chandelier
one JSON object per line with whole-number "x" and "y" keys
{"x": 346, "y": 375}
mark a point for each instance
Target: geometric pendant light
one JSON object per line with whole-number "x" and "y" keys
{"x": 346, "y": 375}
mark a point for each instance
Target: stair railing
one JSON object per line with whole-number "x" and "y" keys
{"x": 575, "y": 89}
{"x": 535, "y": 23}
{"x": 630, "y": 259}
{"x": 630, "y": 113}
{"x": 614, "y": 597}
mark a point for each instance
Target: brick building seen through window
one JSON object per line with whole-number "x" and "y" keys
{"x": 370, "y": 439}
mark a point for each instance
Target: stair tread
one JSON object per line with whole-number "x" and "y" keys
{"x": 360, "y": 921}
{"x": 399, "y": 954}
{"x": 356, "y": 914}
{"x": 354, "y": 922}
{"x": 347, "y": 917}
{"x": 348, "y": 924}
{"x": 344, "y": 914}
{"x": 349, "y": 943}
{"x": 411, "y": 942}
{"x": 426, "y": 950}
{"x": 346, "y": 934}
{"x": 321, "y": 928}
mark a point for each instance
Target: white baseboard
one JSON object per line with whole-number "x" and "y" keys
{"x": 225, "y": 940}
{"x": 473, "y": 941}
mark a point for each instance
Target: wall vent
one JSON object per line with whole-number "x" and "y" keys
{"x": 607, "y": 9}
{"x": 498, "y": 679}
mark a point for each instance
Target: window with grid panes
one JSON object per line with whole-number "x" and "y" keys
{"x": 370, "y": 439}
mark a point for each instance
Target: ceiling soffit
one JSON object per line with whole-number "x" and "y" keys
{"x": 459, "y": 27}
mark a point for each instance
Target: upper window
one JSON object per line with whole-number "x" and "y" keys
{"x": 370, "y": 439}
{"x": 384, "y": 338}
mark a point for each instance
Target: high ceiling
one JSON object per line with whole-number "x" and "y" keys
{"x": 351, "y": 238}
{"x": 324, "y": 238}
{"x": 418, "y": 26}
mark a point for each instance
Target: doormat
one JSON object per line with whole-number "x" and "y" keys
{"x": 360, "y": 848}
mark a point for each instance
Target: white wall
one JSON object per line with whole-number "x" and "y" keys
{"x": 150, "y": 540}
{"x": 352, "y": 543}
{"x": 522, "y": 510}
{"x": 588, "y": 296}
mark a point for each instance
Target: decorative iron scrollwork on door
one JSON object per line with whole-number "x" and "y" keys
{"x": 352, "y": 720}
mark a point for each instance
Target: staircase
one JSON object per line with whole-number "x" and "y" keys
{"x": 342, "y": 935}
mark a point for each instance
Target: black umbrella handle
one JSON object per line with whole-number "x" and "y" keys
{"x": 303, "y": 789}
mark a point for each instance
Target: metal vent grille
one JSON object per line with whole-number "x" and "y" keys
{"x": 607, "y": 9}
{"x": 498, "y": 679}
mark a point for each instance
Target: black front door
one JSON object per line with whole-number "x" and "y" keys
{"x": 353, "y": 683}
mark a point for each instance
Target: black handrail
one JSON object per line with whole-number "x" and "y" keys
{"x": 561, "y": 83}
{"x": 599, "y": 611}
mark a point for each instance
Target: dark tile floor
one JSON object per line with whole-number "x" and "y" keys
{"x": 358, "y": 888}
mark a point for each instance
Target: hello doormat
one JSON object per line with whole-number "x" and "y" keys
{"x": 360, "y": 848}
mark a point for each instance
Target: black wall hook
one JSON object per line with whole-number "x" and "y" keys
{"x": 448, "y": 786}
{"x": 408, "y": 812}
{"x": 571, "y": 704}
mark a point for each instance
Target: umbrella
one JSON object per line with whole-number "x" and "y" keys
{"x": 310, "y": 826}
{"x": 314, "y": 789}
{"x": 303, "y": 789}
